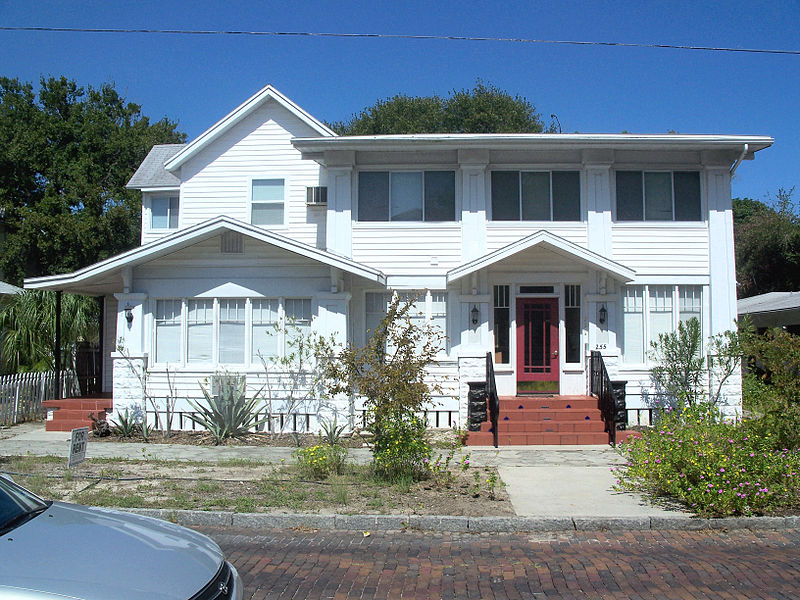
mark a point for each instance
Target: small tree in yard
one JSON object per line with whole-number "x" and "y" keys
{"x": 389, "y": 373}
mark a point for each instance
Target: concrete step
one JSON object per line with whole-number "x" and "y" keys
{"x": 538, "y": 439}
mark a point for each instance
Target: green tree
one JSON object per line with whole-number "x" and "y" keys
{"x": 65, "y": 157}
{"x": 27, "y": 329}
{"x": 483, "y": 109}
{"x": 767, "y": 240}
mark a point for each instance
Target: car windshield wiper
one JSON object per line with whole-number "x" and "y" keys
{"x": 22, "y": 518}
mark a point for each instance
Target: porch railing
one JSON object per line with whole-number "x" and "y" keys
{"x": 600, "y": 386}
{"x": 491, "y": 396}
{"x": 21, "y": 394}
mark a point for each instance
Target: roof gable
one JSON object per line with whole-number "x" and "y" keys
{"x": 236, "y": 116}
{"x": 552, "y": 242}
{"x": 151, "y": 173}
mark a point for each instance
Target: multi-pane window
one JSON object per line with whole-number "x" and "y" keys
{"x": 231, "y": 331}
{"x": 220, "y": 331}
{"x": 429, "y": 309}
{"x": 407, "y": 196}
{"x": 572, "y": 323}
{"x": 164, "y": 212}
{"x": 200, "y": 330}
{"x": 168, "y": 331}
{"x": 536, "y": 196}
{"x": 267, "y": 202}
{"x": 658, "y": 196}
{"x": 502, "y": 324}
{"x": 649, "y": 311}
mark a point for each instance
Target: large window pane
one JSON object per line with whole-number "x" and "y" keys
{"x": 687, "y": 196}
{"x": 439, "y": 315}
{"x": 406, "y": 197}
{"x": 629, "y": 196}
{"x": 633, "y": 317}
{"x": 505, "y": 196}
{"x": 373, "y": 196}
{"x": 660, "y": 310}
{"x": 168, "y": 331}
{"x": 440, "y": 196}
{"x": 298, "y": 321}
{"x": 231, "y": 331}
{"x": 690, "y": 302}
{"x": 267, "y": 202}
{"x": 375, "y": 310}
{"x": 164, "y": 213}
{"x": 200, "y": 323}
{"x": 264, "y": 330}
{"x": 658, "y": 196}
{"x": 536, "y": 196}
{"x": 566, "y": 196}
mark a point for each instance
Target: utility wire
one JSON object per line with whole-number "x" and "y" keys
{"x": 401, "y": 36}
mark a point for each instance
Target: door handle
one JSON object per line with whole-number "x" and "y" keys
{"x": 555, "y": 353}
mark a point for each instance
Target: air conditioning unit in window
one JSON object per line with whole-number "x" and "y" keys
{"x": 317, "y": 195}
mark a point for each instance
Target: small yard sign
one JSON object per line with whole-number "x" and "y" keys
{"x": 77, "y": 446}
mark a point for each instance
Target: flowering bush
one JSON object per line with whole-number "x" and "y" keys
{"x": 323, "y": 460}
{"x": 400, "y": 450}
{"x": 715, "y": 468}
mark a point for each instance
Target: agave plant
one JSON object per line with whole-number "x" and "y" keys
{"x": 228, "y": 413}
{"x": 125, "y": 425}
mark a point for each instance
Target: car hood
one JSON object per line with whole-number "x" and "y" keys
{"x": 95, "y": 554}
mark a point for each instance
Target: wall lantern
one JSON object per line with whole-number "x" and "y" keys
{"x": 602, "y": 314}
{"x": 475, "y": 314}
{"x": 129, "y": 314}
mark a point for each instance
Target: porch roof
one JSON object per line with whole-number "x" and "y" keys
{"x": 106, "y": 276}
{"x": 552, "y": 242}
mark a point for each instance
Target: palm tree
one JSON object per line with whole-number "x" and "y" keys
{"x": 27, "y": 329}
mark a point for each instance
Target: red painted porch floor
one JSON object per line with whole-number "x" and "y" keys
{"x": 544, "y": 420}
{"x": 71, "y": 413}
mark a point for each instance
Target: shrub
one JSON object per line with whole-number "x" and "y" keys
{"x": 229, "y": 413}
{"x": 125, "y": 425}
{"x": 318, "y": 462}
{"x": 770, "y": 414}
{"x": 714, "y": 468}
{"x": 400, "y": 450}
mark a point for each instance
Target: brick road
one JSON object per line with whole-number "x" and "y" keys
{"x": 633, "y": 564}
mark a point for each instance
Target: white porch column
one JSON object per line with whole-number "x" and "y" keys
{"x": 130, "y": 334}
{"x": 130, "y": 358}
{"x": 339, "y": 226}
{"x": 334, "y": 312}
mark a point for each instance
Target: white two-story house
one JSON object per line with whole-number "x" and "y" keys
{"x": 537, "y": 248}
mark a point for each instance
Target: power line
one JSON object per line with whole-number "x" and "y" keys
{"x": 401, "y": 36}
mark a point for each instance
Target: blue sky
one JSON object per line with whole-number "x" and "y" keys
{"x": 196, "y": 80}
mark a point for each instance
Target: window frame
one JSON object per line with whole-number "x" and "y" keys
{"x": 426, "y": 297}
{"x": 644, "y": 220}
{"x": 169, "y": 198}
{"x": 285, "y": 202}
{"x": 549, "y": 170}
{"x": 396, "y": 222}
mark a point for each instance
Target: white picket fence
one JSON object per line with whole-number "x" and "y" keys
{"x": 21, "y": 394}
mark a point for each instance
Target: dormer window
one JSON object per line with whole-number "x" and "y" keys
{"x": 164, "y": 212}
{"x": 267, "y": 202}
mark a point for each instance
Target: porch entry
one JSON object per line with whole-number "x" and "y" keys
{"x": 537, "y": 346}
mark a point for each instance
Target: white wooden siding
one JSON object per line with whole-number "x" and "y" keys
{"x": 668, "y": 250}
{"x": 217, "y": 181}
{"x": 407, "y": 250}
{"x": 499, "y": 235}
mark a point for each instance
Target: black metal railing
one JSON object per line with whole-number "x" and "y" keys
{"x": 600, "y": 386}
{"x": 491, "y": 396}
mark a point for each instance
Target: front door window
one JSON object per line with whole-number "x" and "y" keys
{"x": 537, "y": 345}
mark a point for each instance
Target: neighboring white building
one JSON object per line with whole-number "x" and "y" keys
{"x": 538, "y": 248}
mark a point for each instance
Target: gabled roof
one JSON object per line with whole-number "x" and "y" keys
{"x": 151, "y": 173}
{"x": 8, "y": 289}
{"x": 234, "y": 117}
{"x": 187, "y": 237}
{"x": 554, "y": 243}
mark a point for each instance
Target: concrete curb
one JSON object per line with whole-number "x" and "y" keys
{"x": 460, "y": 524}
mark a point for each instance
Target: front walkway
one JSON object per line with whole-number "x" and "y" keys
{"x": 542, "y": 481}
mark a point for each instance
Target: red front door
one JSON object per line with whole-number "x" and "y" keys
{"x": 537, "y": 345}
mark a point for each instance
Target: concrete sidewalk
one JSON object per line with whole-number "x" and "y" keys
{"x": 571, "y": 482}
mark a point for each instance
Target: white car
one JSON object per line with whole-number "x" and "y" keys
{"x": 54, "y": 550}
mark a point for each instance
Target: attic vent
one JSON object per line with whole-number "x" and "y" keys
{"x": 231, "y": 242}
{"x": 317, "y": 195}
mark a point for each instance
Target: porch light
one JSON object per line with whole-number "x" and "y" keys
{"x": 475, "y": 314}
{"x": 602, "y": 314}
{"x": 129, "y": 314}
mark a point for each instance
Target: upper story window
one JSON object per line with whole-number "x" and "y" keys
{"x": 536, "y": 196}
{"x": 267, "y": 202}
{"x": 658, "y": 196}
{"x": 164, "y": 212}
{"x": 407, "y": 196}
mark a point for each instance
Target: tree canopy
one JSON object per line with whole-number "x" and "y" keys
{"x": 767, "y": 245}
{"x": 484, "y": 109}
{"x": 66, "y": 154}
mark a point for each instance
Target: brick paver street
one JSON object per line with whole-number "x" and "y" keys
{"x": 634, "y": 564}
